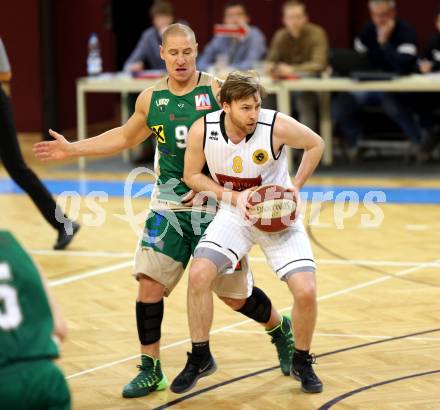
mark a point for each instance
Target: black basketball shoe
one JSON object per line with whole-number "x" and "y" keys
{"x": 193, "y": 371}
{"x": 302, "y": 370}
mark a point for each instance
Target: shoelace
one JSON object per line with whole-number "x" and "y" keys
{"x": 287, "y": 344}
{"x": 143, "y": 381}
{"x": 311, "y": 359}
{"x": 308, "y": 369}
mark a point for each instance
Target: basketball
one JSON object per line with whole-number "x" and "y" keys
{"x": 272, "y": 207}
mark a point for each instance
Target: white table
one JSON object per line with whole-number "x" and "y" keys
{"x": 122, "y": 84}
{"x": 106, "y": 83}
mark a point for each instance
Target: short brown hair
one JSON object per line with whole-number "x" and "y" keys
{"x": 236, "y": 3}
{"x": 178, "y": 28}
{"x": 239, "y": 85}
{"x": 161, "y": 7}
{"x": 293, "y": 3}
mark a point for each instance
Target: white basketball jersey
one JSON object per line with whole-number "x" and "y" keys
{"x": 251, "y": 162}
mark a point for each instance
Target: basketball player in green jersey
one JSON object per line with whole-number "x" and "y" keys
{"x": 167, "y": 111}
{"x": 28, "y": 320}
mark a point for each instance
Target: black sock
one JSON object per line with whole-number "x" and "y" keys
{"x": 200, "y": 351}
{"x": 299, "y": 358}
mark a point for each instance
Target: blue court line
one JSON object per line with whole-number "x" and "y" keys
{"x": 338, "y": 193}
{"x": 56, "y": 187}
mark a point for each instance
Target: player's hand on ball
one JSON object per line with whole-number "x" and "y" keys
{"x": 193, "y": 198}
{"x": 240, "y": 200}
{"x": 188, "y": 198}
{"x": 297, "y": 198}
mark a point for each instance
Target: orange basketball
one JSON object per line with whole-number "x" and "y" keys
{"x": 272, "y": 207}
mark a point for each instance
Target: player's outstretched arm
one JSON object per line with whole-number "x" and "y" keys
{"x": 111, "y": 142}
{"x": 288, "y": 131}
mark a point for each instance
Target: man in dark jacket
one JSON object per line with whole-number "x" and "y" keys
{"x": 427, "y": 103}
{"x": 390, "y": 45}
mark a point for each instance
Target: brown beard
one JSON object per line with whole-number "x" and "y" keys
{"x": 242, "y": 128}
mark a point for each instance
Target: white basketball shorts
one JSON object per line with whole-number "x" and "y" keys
{"x": 286, "y": 252}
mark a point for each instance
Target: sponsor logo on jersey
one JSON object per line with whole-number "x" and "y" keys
{"x": 181, "y": 105}
{"x": 203, "y": 102}
{"x": 260, "y": 156}
{"x": 237, "y": 164}
{"x": 165, "y": 151}
{"x": 214, "y": 136}
{"x": 161, "y": 103}
{"x": 159, "y": 133}
{"x": 179, "y": 118}
{"x": 238, "y": 184}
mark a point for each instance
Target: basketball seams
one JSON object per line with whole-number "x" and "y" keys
{"x": 272, "y": 216}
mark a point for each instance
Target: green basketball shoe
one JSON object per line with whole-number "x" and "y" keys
{"x": 149, "y": 379}
{"x": 283, "y": 341}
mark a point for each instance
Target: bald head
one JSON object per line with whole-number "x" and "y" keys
{"x": 179, "y": 51}
{"x": 178, "y": 29}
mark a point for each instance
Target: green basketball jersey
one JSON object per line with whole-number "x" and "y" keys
{"x": 26, "y": 324}
{"x": 170, "y": 117}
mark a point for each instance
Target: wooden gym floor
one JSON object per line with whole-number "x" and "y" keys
{"x": 377, "y": 339}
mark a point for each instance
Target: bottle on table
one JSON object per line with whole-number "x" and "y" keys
{"x": 94, "y": 60}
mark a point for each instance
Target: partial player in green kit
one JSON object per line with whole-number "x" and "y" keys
{"x": 173, "y": 227}
{"x": 29, "y": 319}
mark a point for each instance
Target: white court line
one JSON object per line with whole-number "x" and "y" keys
{"x": 375, "y": 263}
{"x": 373, "y": 282}
{"x": 96, "y": 254}
{"x": 178, "y": 343}
{"x": 225, "y": 328}
{"x": 343, "y": 335}
{"x": 111, "y": 268}
{"x": 80, "y": 276}
{"x": 109, "y": 254}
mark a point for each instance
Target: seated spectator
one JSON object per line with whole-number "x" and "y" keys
{"x": 146, "y": 54}
{"x": 427, "y": 103}
{"x": 234, "y": 52}
{"x": 300, "y": 48}
{"x": 390, "y": 45}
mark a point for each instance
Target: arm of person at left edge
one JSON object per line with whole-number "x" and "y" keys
{"x": 5, "y": 69}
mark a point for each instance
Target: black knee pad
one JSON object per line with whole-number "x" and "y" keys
{"x": 149, "y": 320}
{"x": 257, "y": 306}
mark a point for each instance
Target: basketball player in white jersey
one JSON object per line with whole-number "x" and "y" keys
{"x": 244, "y": 145}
